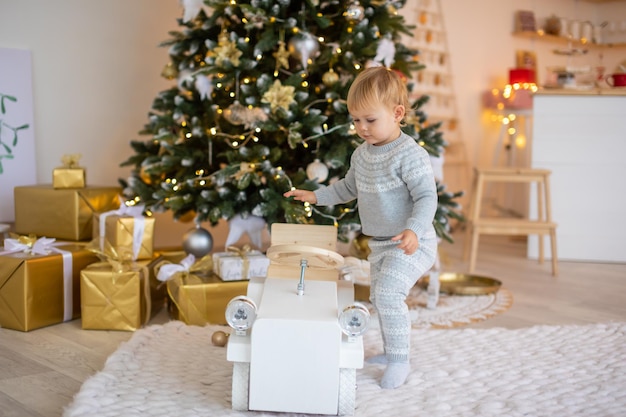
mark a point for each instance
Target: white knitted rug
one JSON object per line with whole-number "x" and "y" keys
{"x": 174, "y": 370}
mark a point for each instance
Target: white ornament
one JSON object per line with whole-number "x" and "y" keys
{"x": 251, "y": 225}
{"x": 191, "y": 8}
{"x": 385, "y": 52}
{"x": 204, "y": 87}
{"x": 317, "y": 171}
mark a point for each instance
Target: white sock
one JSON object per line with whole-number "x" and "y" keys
{"x": 395, "y": 375}
{"x": 382, "y": 359}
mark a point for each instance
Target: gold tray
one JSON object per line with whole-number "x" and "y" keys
{"x": 463, "y": 284}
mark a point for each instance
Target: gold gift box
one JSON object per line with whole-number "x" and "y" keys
{"x": 200, "y": 300}
{"x": 119, "y": 233}
{"x": 68, "y": 178}
{"x": 124, "y": 300}
{"x": 32, "y": 287}
{"x": 62, "y": 213}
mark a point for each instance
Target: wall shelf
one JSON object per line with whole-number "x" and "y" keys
{"x": 566, "y": 41}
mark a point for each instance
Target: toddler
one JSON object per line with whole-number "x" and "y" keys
{"x": 392, "y": 178}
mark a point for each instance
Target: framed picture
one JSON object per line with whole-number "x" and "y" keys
{"x": 525, "y": 21}
{"x": 526, "y": 59}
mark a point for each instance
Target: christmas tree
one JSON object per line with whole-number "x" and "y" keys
{"x": 258, "y": 107}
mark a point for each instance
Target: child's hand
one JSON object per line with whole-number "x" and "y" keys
{"x": 408, "y": 241}
{"x": 302, "y": 195}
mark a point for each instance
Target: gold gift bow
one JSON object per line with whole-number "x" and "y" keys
{"x": 122, "y": 261}
{"x": 138, "y": 228}
{"x": 32, "y": 245}
{"x": 175, "y": 274}
{"x": 243, "y": 253}
{"x": 70, "y": 160}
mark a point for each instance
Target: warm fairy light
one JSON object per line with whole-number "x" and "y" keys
{"x": 338, "y": 50}
{"x": 234, "y": 144}
{"x": 202, "y": 182}
{"x": 247, "y": 39}
{"x": 175, "y": 188}
{"x": 520, "y": 141}
{"x": 199, "y": 172}
{"x": 213, "y": 131}
{"x": 183, "y": 124}
{"x": 255, "y": 139}
{"x": 305, "y": 145}
{"x": 305, "y": 84}
{"x": 512, "y": 117}
{"x": 511, "y": 131}
{"x": 357, "y": 66}
{"x": 188, "y": 135}
{"x": 246, "y": 80}
{"x": 325, "y": 126}
{"x": 232, "y": 94}
{"x": 218, "y": 85}
{"x": 320, "y": 39}
{"x": 258, "y": 57}
{"x": 505, "y": 120}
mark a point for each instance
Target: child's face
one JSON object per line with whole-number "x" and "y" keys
{"x": 378, "y": 125}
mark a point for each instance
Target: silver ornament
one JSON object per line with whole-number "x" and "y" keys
{"x": 304, "y": 46}
{"x": 197, "y": 242}
{"x": 355, "y": 12}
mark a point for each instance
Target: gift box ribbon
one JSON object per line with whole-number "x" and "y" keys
{"x": 138, "y": 228}
{"x": 70, "y": 160}
{"x": 175, "y": 274}
{"x": 45, "y": 246}
{"x": 120, "y": 262}
{"x": 243, "y": 254}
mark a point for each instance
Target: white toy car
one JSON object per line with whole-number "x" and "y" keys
{"x": 298, "y": 332}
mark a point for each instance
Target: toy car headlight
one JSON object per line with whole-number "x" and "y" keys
{"x": 240, "y": 313}
{"x": 354, "y": 320}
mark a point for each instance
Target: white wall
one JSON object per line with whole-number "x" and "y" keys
{"x": 97, "y": 65}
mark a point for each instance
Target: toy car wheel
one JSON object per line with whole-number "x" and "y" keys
{"x": 347, "y": 391}
{"x": 241, "y": 385}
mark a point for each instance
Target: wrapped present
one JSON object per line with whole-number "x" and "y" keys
{"x": 116, "y": 294}
{"x": 62, "y": 213}
{"x": 70, "y": 175}
{"x": 238, "y": 264}
{"x": 40, "y": 282}
{"x": 126, "y": 226}
{"x": 198, "y": 297}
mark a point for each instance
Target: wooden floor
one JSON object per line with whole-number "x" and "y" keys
{"x": 41, "y": 370}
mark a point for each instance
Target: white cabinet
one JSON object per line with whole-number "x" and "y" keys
{"x": 581, "y": 137}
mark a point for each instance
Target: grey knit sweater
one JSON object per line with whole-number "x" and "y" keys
{"x": 394, "y": 185}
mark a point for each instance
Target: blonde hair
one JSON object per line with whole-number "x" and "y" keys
{"x": 375, "y": 86}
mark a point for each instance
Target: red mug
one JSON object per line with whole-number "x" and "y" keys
{"x": 616, "y": 80}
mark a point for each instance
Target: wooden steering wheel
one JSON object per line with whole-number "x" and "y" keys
{"x": 315, "y": 257}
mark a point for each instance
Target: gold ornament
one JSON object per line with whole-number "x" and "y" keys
{"x": 145, "y": 177}
{"x": 226, "y": 51}
{"x": 235, "y": 113}
{"x": 279, "y": 95}
{"x": 281, "y": 56}
{"x": 170, "y": 72}
{"x": 330, "y": 78}
{"x": 219, "y": 338}
{"x": 359, "y": 246}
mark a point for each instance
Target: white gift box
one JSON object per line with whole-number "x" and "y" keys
{"x": 240, "y": 265}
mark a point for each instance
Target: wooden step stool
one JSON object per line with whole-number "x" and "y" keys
{"x": 543, "y": 225}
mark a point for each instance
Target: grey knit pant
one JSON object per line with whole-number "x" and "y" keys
{"x": 392, "y": 275}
